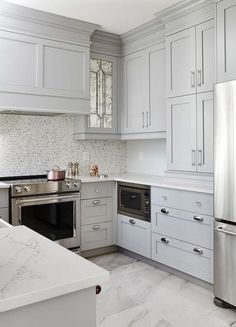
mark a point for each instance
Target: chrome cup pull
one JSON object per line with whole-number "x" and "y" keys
{"x": 198, "y": 250}
{"x": 165, "y": 240}
{"x": 132, "y": 221}
{"x": 165, "y": 211}
{"x": 96, "y": 227}
{"x": 198, "y": 218}
{"x": 96, "y": 202}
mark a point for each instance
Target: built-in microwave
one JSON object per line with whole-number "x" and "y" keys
{"x": 134, "y": 200}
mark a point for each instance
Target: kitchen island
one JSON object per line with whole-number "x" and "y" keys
{"x": 44, "y": 284}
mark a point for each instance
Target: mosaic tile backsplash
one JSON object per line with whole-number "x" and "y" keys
{"x": 30, "y": 145}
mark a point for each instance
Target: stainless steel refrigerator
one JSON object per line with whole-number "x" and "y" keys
{"x": 225, "y": 193}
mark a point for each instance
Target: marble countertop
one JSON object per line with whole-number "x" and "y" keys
{"x": 4, "y": 185}
{"x": 33, "y": 269}
{"x": 193, "y": 185}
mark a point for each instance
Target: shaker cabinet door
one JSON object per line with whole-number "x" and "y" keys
{"x": 205, "y": 132}
{"x": 181, "y": 133}
{"x": 181, "y": 74}
{"x": 156, "y": 117}
{"x": 134, "y": 93}
{"x": 205, "y": 38}
{"x": 226, "y": 35}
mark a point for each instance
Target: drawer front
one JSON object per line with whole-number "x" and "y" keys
{"x": 96, "y": 190}
{"x": 4, "y": 214}
{"x": 134, "y": 235}
{"x": 4, "y": 198}
{"x": 183, "y": 225}
{"x": 96, "y": 211}
{"x": 181, "y": 256}
{"x": 185, "y": 200}
{"x": 96, "y": 236}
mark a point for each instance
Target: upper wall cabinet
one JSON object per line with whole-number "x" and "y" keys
{"x": 226, "y": 35}
{"x": 42, "y": 68}
{"x": 190, "y": 133}
{"x": 102, "y": 121}
{"x": 191, "y": 60}
{"x": 144, "y": 94}
{"x": 181, "y": 50}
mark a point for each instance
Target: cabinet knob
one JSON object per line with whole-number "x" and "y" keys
{"x": 132, "y": 221}
{"x": 198, "y": 218}
{"x": 198, "y": 250}
{"x": 165, "y": 211}
{"x": 98, "y": 289}
{"x": 199, "y": 203}
{"x": 165, "y": 240}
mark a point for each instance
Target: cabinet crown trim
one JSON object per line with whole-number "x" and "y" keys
{"x": 181, "y": 9}
{"x": 29, "y": 15}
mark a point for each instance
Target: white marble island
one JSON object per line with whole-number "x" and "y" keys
{"x": 44, "y": 284}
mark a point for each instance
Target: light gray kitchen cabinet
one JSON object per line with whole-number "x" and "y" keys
{"x": 182, "y": 231}
{"x": 156, "y": 63}
{"x": 134, "y": 235}
{"x": 96, "y": 215}
{"x": 96, "y": 210}
{"x": 96, "y": 236}
{"x": 44, "y": 62}
{"x": 226, "y": 34}
{"x": 182, "y": 256}
{"x": 43, "y": 68}
{"x": 181, "y": 133}
{"x": 134, "y": 92}
{"x": 190, "y": 133}
{"x": 4, "y": 204}
{"x": 144, "y": 94}
{"x": 191, "y": 60}
{"x": 103, "y": 110}
{"x": 205, "y": 118}
{"x": 205, "y": 50}
{"x": 181, "y": 64}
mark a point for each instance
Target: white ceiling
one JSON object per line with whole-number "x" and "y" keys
{"x": 114, "y": 16}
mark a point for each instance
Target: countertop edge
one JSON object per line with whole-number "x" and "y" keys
{"x": 52, "y": 292}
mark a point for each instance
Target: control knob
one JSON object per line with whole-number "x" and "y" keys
{"x": 69, "y": 185}
{"x": 18, "y": 189}
{"x": 27, "y": 188}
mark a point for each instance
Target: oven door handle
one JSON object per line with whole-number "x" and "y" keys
{"x": 47, "y": 199}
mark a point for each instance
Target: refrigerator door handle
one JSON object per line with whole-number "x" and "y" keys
{"x": 220, "y": 229}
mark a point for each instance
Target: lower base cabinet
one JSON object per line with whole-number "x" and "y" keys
{"x": 183, "y": 256}
{"x": 134, "y": 235}
{"x": 96, "y": 236}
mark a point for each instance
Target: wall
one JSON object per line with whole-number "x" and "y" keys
{"x": 154, "y": 157}
{"x": 30, "y": 145}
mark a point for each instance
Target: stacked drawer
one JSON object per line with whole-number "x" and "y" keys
{"x": 182, "y": 231}
{"x": 96, "y": 215}
{"x": 4, "y": 204}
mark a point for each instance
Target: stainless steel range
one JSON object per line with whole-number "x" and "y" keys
{"x": 50, "y": 208}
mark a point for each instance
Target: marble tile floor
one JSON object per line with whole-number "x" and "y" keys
{"x": 139, "y": 295}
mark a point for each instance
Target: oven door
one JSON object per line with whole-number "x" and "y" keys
{"x": 131, "y": 202}
{"x": 56, "y": 217}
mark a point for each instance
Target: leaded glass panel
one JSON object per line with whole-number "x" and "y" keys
{"x": 100, "y": 93}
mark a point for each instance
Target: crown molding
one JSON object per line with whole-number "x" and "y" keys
{"x": 153, "y": 26}
{"x": 106, "y": 43}
{"x": 143, "y": 36}
{"x": 36, "y": 22}
{"x": 181, "y": 9}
